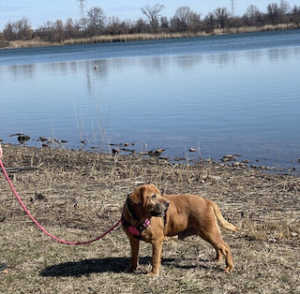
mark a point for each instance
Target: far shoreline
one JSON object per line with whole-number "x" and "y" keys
{"x": 33, "y": 43}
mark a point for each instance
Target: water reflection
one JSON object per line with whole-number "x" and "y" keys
{"x": 188, "y": 62}
{"x": 150, "y": 64}
{"x": 23, "y": 71}
{"x": 156, "y": 64}
{"x": 254, "y": 56}
{"x": 284, "y": 53}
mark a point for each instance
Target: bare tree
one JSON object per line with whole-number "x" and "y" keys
{"x": 59, "y": 31}
{"x": 195, "y": 23}
{"x": 19, "y": 30}
{"x": 181, "y": 18}
{"x": 164, "y": 23}
{"x": 221, "y": 16}
{"x": 141, "y": 26}
{"x": 153, "y": 13}
{"x": 114, "y": 26}
{"x": 23, "y": 29}
{"x": 252, "y": 15}
{"x": 45, "y": 32}
{"x": 209, "y": 22}
{"x": 69, "y": 28}
{"x": 9, "y": 32}
{"x": 96, "y": 20}
{"x": 296, "y": 14}
{"x": 284, "y": 7}
{"x": 273, "y": 13}
{"x": 186, "y": 20}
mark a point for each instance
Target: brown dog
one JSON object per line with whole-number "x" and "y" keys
{"x": 150, "y": 217}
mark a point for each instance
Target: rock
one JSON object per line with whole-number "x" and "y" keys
{"x": 17, "y": 134}
{"x": 299, "y": 160}
{"x": 193, "y": 150}
{"x": 216, "y": 178}
{"x": 246, "y": 161}
{"x": 179, "y": 159}
{"x": 23, "y": 138}
{"x": 115, "y": 151}
{"x": 42, "y": 139}
{"x": 156, "y": 152}
{"x": 236, "y": 164}
{"x": 227, "y": 158}
{"x": 95, "y": 67}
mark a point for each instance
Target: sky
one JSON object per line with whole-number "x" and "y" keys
{"x": 40, "y": 11}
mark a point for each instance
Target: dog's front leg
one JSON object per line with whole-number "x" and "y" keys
{"x": 135, "y": 245}
{"x": 156, "y": 257}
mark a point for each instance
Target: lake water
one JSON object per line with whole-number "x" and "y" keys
{"x": 237, "y": 94}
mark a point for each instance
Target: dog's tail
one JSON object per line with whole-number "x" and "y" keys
{"x": 223, "y": 222}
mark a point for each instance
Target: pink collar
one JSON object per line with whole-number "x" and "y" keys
{"x": 136, "y": 231}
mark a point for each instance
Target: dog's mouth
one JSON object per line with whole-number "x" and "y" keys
{"x": 157, "y": 214}
{"x": 160, "y": 213}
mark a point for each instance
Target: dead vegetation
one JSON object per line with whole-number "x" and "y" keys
{"x": 78, "y": 195}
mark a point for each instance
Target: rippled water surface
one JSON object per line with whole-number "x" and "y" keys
{"x": 221, "y": 94}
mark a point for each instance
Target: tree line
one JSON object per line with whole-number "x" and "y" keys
{"x": 184, "y": 20}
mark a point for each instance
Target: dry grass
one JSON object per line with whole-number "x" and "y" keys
{"x": 278, "y": 27}
{"x": 78, "y": 195}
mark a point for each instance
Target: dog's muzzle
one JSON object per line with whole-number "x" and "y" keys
{"x": 161, "y": 213}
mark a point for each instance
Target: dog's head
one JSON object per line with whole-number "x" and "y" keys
{"x": 146, "y": 201}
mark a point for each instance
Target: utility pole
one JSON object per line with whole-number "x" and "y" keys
{"x": 232, "y": 7}
{"x": 82, "y": 8}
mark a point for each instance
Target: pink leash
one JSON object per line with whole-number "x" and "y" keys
{"x": 36, "y": 222}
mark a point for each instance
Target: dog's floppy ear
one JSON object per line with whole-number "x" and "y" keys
{"x": 142, "y": 197}
{"x": 137, "y": 196}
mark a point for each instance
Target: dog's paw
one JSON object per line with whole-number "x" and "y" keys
{"x": 152, "y": 274}
{"x": 218, "y": 259}
{"x": 229, "y": 269}
{"x": 130, "y": 270}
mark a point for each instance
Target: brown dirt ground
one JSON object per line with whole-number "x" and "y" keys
{"x": 78, "y": 195}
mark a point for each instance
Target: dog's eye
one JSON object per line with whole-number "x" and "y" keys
{"x": 153, "y": 196}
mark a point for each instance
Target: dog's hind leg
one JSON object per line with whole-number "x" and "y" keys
{"x": 214, "y": 237}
